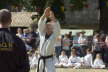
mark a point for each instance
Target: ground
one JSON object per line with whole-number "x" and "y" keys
{"x": 78, "y": 70}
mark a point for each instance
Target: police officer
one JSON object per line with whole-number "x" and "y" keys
{"x": 13, "y": 56}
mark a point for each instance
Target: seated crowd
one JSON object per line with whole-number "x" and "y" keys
{"x": 79, "y": 51}
{"x": 74, "y": 61}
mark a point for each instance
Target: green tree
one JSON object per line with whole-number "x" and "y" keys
{"x": 77, "y": 4}
{"x": 56, "y": 6}
{"x": 8, "y": 3}
{"x": 34, "y": 5}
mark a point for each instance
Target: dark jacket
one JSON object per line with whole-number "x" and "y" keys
{"x": 13, "y": 56}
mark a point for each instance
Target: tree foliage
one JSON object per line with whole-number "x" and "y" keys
{"x": 34, "y": 5}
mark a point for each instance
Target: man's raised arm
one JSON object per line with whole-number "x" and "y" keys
{"x": 42, "y": 20}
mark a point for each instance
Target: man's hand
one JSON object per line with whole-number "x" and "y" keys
{"x": 47, "y": 12}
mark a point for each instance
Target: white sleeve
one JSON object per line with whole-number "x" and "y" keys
{"x": 41, "y": 24}
{"x": 66, "y": 59}
{"x": 56, "y": 28}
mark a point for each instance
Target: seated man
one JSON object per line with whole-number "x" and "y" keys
{"x": 34, "y": 61}
{"x": 63, "y": 60}
{"x": 74, "y": 60}
{"x": 87, "y": 59}
{"x": 30, "y": 56}
{"x": 98, "y": 62}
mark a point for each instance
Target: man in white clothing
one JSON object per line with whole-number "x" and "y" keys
{"x": 48, "y": 34}
{"x": 34, "y": 61}
{"x": 63, "y": 60}
{"x": 74, "y": 60}
{"x": 98, "y": 62}
{"x": 87, "y": 59}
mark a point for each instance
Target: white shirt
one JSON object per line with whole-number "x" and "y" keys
{"x": 98, "y": 62}
{"x": 35, "y": 60}
{"x": 30, "y": 59}
{"x": 82, "y": 40}
{"x": 63, "y": 59}
{"x": 74, "y": 59}
{"x": 88, "y": 59}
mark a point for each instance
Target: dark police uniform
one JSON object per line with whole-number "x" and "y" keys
{"x": 13, "y": 56}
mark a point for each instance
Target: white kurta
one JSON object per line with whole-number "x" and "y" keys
{"x": 47, "y": 47}
{"x": 30, "y": 60}
{"x": 87, "y": 60}
{"x": 74, "y": 62}
{"x": 63, "y": 61}
{"x": 98, "y": 63}
{"x": 34, "y": 61}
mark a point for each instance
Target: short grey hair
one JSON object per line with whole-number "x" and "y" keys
{"x": 5, "y": 16}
